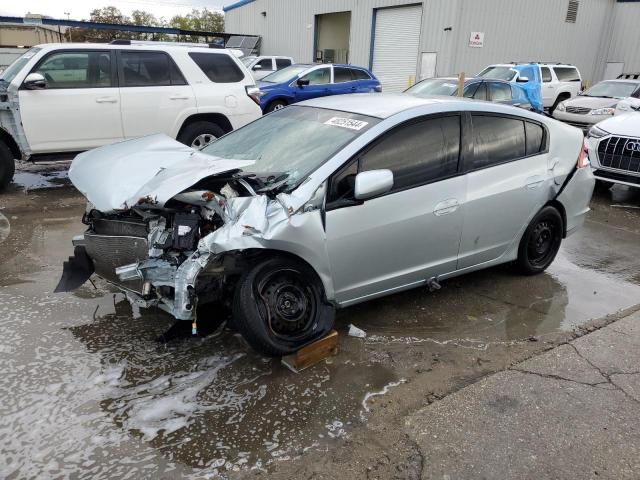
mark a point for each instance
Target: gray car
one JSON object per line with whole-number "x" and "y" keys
{"x": 326, "y": 204}
{"x": 596, "y": 104}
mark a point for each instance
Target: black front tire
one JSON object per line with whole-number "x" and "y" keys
{"x": 275, "y": 105}
{"x": 279, "y": 306}
{"x": 541, "y": 241}
{"x": 203, "y": 129}
{"x": 7, "y": 166}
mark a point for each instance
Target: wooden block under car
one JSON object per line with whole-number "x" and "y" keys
{"x": 313, "y": 353}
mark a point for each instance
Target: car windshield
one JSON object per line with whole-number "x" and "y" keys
{"x": 434, "y": 86}
{"x": 12, "y": 70}
{"x": 247, "y": 60}
{"x": 289, "y": 144}
{"x": 611, "y": 90}
{"x": 499, "y": 73}
{"x": 285, "y": 74}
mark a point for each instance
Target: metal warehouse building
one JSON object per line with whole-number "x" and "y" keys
{"x": 401, "y": 40}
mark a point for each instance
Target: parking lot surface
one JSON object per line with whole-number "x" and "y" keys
{"x": 92, "y": 389}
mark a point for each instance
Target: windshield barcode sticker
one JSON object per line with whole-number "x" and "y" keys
{"x": 349, "y": 123}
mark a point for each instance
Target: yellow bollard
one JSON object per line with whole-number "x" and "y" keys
{"x": 410, "y": 81}
{"x": 461, "y": 84}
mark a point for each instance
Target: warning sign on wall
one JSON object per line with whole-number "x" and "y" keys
{"x": 476, "y": 40}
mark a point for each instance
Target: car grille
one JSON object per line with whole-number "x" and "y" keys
{"x": 578, "y": 110}
{"x": 620, "y": 153}
{"x": 114, "y": 243}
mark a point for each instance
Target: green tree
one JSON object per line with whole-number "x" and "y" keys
{"x": 199, "y": 20}
{"x": 102, "y": 15}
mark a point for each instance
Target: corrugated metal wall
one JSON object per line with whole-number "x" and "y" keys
{"x": 515, "y": 30}
{"x": 625, "y": 40}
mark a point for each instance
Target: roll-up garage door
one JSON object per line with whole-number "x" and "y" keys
{"x": 395, "y": 46}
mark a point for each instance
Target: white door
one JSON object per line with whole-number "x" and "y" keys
{"x": 80, "y": 107}
{"x": 428, "y": 65}
{"x": 153, "y": 92}
{"x": 395, "y": 46}
{"x": 612, "y": 70}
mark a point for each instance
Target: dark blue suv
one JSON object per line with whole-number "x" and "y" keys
{"x": 304, "y": 81}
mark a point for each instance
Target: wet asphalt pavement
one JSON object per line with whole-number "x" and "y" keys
{"x": 88, "y": 392}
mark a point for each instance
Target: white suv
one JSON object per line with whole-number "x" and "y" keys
{"x": 266, "y": 64}
{"x": 60, "y": 99}
{"x": 559, "y": 81}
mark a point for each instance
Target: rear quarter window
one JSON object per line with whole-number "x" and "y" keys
{"x": 567, "y": 74}
{"x": 536, "y": 142}
{"x": 358, "y": 74}
{"x": 218, "y": 67}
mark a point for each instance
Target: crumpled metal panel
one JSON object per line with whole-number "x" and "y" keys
{"x": 147, "y": 171}
{"x": 10, "y": 119}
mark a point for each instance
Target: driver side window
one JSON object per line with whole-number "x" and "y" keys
{"x": 71, "y": 69}
{"x": 318, "y": 77}
{"x": 417, "y": 152}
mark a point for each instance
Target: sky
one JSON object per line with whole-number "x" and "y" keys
{"x": 80, "y": 9}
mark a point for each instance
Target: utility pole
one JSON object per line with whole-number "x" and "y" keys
{"x": 68, "y": 18}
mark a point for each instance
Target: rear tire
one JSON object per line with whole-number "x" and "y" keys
{"x": 541, "y": 241}
{"x": 276, "y": 105}
{"x": 279, "y": 306}
{"x": 7, "y": 166}
{"x": 200, "y": 134}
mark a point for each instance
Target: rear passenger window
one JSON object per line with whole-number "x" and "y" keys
{"x": 341, "y": 74}
{"x": 360, "y": 74}
{"x": 218, "y": 67}
{"x": 282, "y": 63}
{"x": 535, "y": 138}
{"x": 546, "y": 74}
{"x": 567, "y": 74}
{"x": 146, "y": 69}
{"x": 417, "y": 153}
{"x": 496, "y": 140}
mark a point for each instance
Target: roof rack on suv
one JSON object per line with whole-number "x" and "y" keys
{"x": 629, "y": 76}
{"x": 544, "y": 63}
{"x": 164, "y": 44}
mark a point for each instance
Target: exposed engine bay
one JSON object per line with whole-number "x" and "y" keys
{"x": 192, "y": 246}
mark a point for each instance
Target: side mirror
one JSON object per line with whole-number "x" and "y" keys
{"x": 522, "y": 79}
{"x": 301, "y": 83}
{"x": 34, "y": 81}
{"x": 257, "y": 67}
{"x": 372, "y": 183}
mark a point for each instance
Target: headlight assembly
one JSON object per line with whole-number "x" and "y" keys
{"x": 603, "y": 111}
{"x": 595, "y": 132}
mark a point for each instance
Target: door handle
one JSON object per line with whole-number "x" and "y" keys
{"x": 353, "y": 89}
{"x": 534, "y": 182}
{"x": 106, "y": 100}
{"x": 178, "y": 97}
{"x": 446, "y": 207}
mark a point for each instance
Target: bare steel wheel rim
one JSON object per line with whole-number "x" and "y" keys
{"x": 287, "y": 303}
{"x": 203, "y": 140}
{"x": 543, "y": 242}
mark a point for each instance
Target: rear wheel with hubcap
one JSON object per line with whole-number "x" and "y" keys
{"x": 200, "y": 134}
{"x": 279, "y": 306}
{"x": 541, "y": 241}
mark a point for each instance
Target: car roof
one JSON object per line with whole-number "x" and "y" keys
{"x": 135, "y": 46}
{"x": 380, "y": 105}
{"x": 622, "y": 80}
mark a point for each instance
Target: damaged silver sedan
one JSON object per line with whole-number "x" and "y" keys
{"x": 326, "y": 204}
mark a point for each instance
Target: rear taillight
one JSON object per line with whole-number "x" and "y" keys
{"x": 583, "y": 158}
{"x": 254, "y": 93}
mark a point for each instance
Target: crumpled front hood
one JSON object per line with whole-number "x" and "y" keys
{"x": 148, "y": 171}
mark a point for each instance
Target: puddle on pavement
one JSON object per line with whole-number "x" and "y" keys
{"x": 91, "y": 389}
